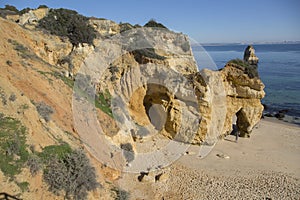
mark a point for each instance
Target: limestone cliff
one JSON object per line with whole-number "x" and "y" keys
{"x": 142, "y": 86}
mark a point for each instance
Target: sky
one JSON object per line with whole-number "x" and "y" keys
{"x": 205, "y": 21}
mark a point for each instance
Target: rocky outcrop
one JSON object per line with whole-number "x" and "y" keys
{"x": 158, "y": 83}
{"x": 158, "y": 96}
{"x": 249, "y": 56}
{"x": 29, "y": 18}
{"x": 105, "y": 27}
{"x": 161, "y": 91}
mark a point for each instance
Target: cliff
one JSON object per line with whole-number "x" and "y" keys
{"x": 135, "y": 91}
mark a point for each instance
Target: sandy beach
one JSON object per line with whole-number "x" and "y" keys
{"x": 264, "y": 166}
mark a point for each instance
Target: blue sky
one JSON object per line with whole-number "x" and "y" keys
{"x": 205, "y": 21}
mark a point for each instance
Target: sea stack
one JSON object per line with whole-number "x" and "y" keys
{"x": 249, "y": 55}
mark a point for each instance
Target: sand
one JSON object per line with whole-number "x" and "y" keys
{"x": 264, "y": 166}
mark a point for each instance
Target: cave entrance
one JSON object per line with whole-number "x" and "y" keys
{"x": 235, "y": 130}
{"x": 155, "y": 102}
{"x": 240, "y": 124}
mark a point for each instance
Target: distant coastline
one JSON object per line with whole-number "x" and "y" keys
{"x": 244, "y": 43}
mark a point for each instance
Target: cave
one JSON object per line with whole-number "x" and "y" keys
{"x": 240, "y": 124}
{"x": 154, "y": 105}
{"x": 155, "y": 102}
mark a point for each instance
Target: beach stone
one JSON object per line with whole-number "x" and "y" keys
{"x": 221, "y": 155}
{"x": 279, "y": 115}
{"x": 162, "y": 177}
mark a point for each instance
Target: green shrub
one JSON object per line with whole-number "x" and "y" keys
{"x": 239, "y": 62}
{"x": 250, "y": 70}
{"x": 68, "y": 23}
{"x": 125, "y": 27}
{"x": 23, "y": 11}
{"x": 71, "y": 175}
{"x": 23, "y": 186}
{"x": 59, "y": 151}
{"x": 153, "y": 23}
{"x": 11, "y": 8}
{"x": 103, "y": 101}
{"x": 13, "y": 146}
{"x": 141, "y": 54}
{"x": 42, "y": 6}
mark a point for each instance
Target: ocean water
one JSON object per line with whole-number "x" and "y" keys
{"x": 279, "y": 69}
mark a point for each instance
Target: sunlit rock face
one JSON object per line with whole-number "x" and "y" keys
{"x": 157, "y": 80}
{"x": 162, "y": 91}
{"x": 249, "y": 55}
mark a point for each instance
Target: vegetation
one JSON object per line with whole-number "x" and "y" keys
{"x": 239, "y": 62}
{"x": 140, "y": 54}
{"x": 12, "y": 97}
{"x": 34, "y": 164}
{"x": 128, "y": 152}
{"x": 24, "y": 106}
{"x": 71, "y": 174}
{"x": 121, "y": 194}
{"x": 153, "y": 23}
{"x": 64, "y": 169}
{"x": 125, "y": 27}
{"x": 68, "y": 23}
{"x": 13, "y": 146}
{"x": 3, "y": 97}
{"x": 250, "y": 70}
{"x": 42, "y": 6}
{"x": 23, "y": 11}
{"x": 23, "y": 186}
{"x": 44, "y": 110}
{"x": 101, "y": 100}
{"x": 23, "y": 51}
{"x": 58, "y": 151}
{"x": 10, "y": 8}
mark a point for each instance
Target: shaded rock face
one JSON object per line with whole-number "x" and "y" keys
{"x": 249, "y": 56}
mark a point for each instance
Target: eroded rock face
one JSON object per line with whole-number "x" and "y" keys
{"x": 249, "y": 56}
{"x": 105, "y": 27}
{"x": 188, "y": 106}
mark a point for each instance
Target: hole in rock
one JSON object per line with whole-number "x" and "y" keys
{"x": 155, "y": 101}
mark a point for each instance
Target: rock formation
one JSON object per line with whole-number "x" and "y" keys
{"x": 216, "y": 96}
{"x": 148, "y": 92}
{"x": 249, "y": 56}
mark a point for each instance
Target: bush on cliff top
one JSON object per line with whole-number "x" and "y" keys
{"x": 250, "y": 70}
{"x": 153, "y": 23}
{"x": 69, "y": 23}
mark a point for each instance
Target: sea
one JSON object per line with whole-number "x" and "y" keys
{"x": 279, "y": 69}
